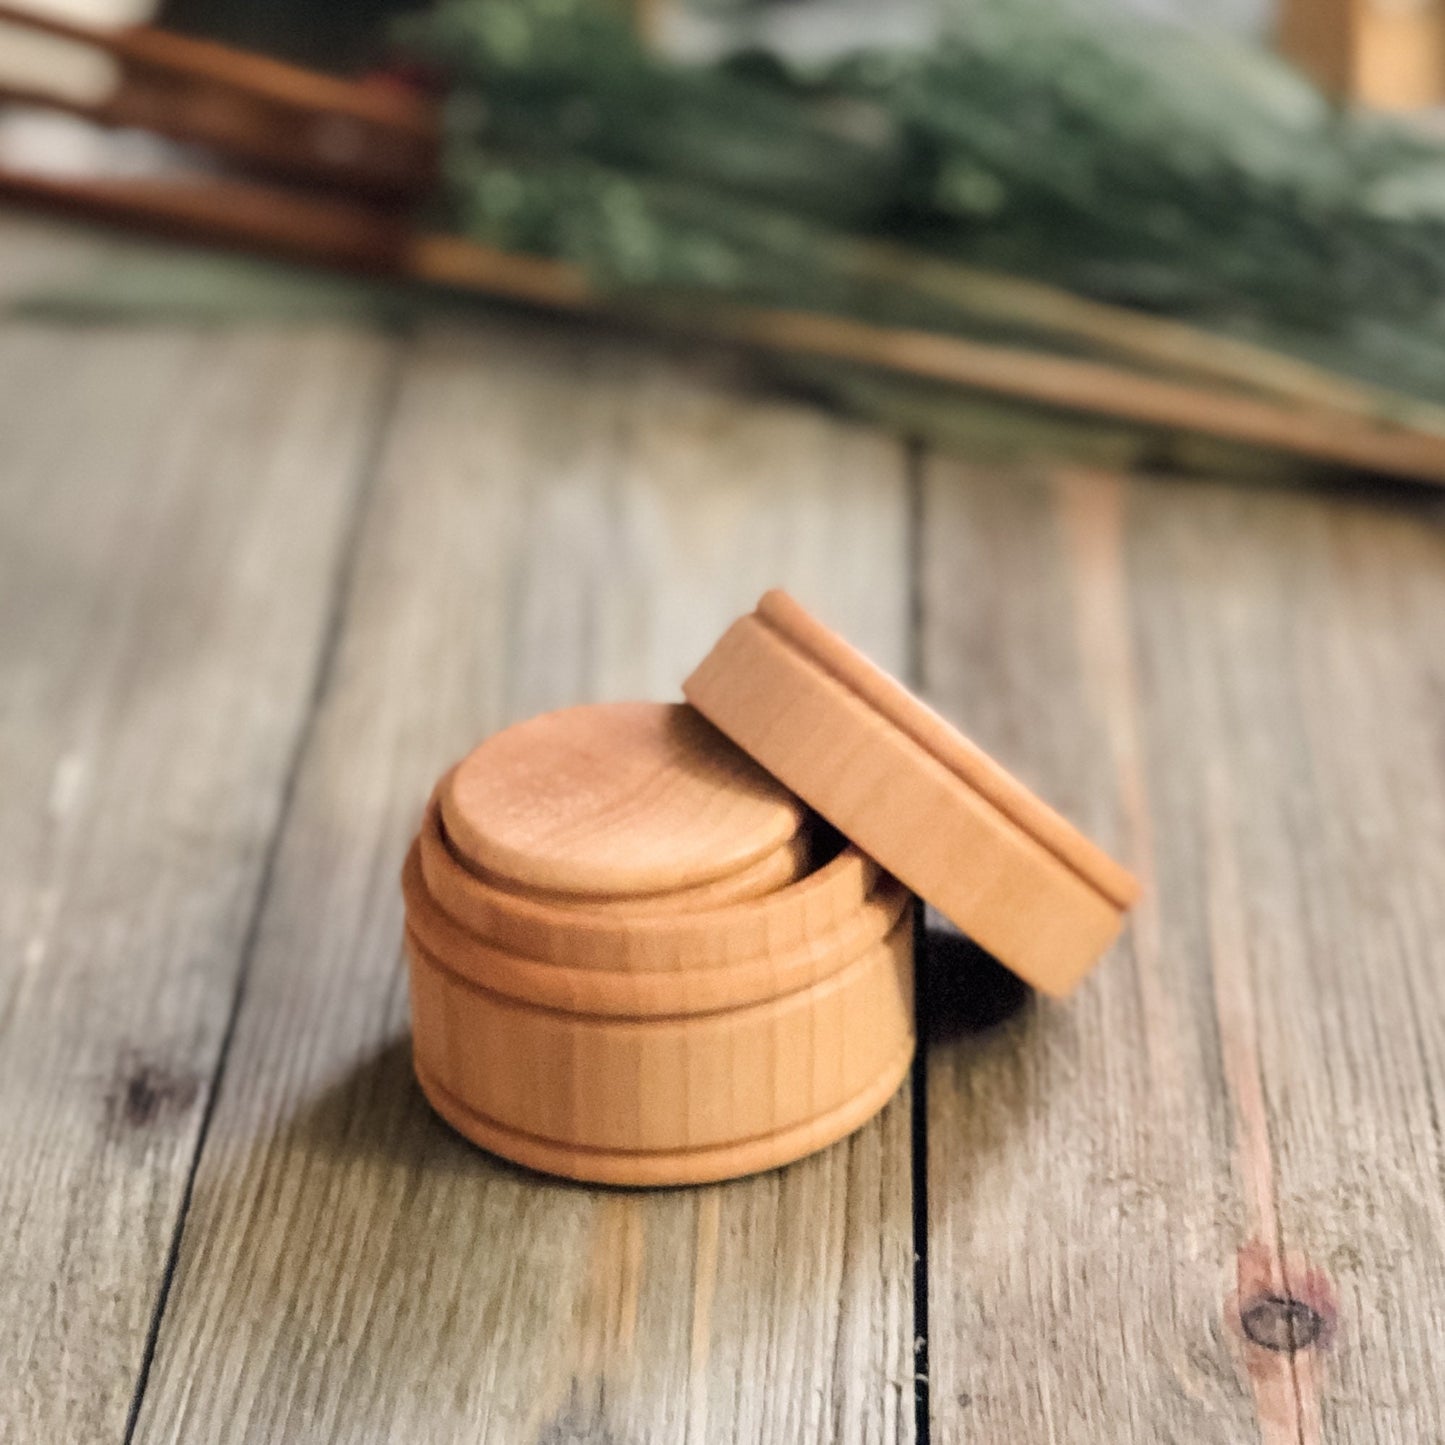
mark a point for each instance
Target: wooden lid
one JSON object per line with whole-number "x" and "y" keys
{"x": 913, "y": 793}
{"x": 615, "y": 800}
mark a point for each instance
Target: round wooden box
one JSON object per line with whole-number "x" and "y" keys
{"x": 632, "y": 963}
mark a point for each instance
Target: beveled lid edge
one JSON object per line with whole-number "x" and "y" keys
{"x": 789, "y": 620}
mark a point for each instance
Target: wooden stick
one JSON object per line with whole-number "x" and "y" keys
{"x": 260, "y": 112}
{"x": 1324, "y": 435}
{"x": 463, "y": 265}
{"x": 254, "y": 218}
{"x": 1172, "y": 344}
{"x": 354, "y": 238}
{"x": 242, "y": 70}
{"x": 1088, "y": 386}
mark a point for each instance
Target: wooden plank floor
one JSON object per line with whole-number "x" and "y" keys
{"x": 258, "y": 585}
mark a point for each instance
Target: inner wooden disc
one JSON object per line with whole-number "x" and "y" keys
{"x": 772, "y": 871}
{"x": 615, "y": 798}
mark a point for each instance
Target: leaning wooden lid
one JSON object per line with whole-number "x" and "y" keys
{"x": 913, "y": 793}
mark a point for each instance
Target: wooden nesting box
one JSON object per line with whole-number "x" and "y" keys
{"x": 634, "y": 960}
{"x": 657, "y": 944}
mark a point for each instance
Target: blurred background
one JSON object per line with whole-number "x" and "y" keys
{"x": 1202, "y": 236}
{"x": 376, "y": 375}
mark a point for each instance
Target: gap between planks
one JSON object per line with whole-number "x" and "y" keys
{"x": 917, "y": 679}
{"x": 1202, "y": 1201}
{"x": 340, "y": 591}
{"x": 559, "y": 518}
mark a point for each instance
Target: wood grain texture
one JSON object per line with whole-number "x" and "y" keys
{"x": 666, "y": 1101}
{"x": 709, "y": 980}
{"x": 611, "y": 939}
{"x": 558, "y": 520}
{"x": 772, "y": 871}
{"x": 615, "y": 799}
{"x": 715, "y": 1067}
{"x": 173, "y": 510}
{"x": 1305, "y": 645}
{"x": 1181, "y": 1207}
{"x": 913, "y": 793}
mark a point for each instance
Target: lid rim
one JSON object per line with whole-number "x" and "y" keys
{"x": 895, "y": 704}
{"x": 891, "y": 793}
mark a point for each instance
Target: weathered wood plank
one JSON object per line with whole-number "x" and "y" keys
{"x": 1299, "y": 647}
{"x": 1235, "y": 688}
{"x": 559, "y": 519}
{"x": 1076, "y": 1172}
{"x": 172, "y": 509}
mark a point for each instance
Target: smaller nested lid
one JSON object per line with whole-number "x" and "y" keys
{"x": 615, "y": 800}
{"x": 913, "y": 793}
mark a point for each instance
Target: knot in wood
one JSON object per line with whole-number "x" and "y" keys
{"x": 1282, "y": 1323}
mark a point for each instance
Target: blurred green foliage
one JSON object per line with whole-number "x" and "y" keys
{"x": 1126, "y": 162}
